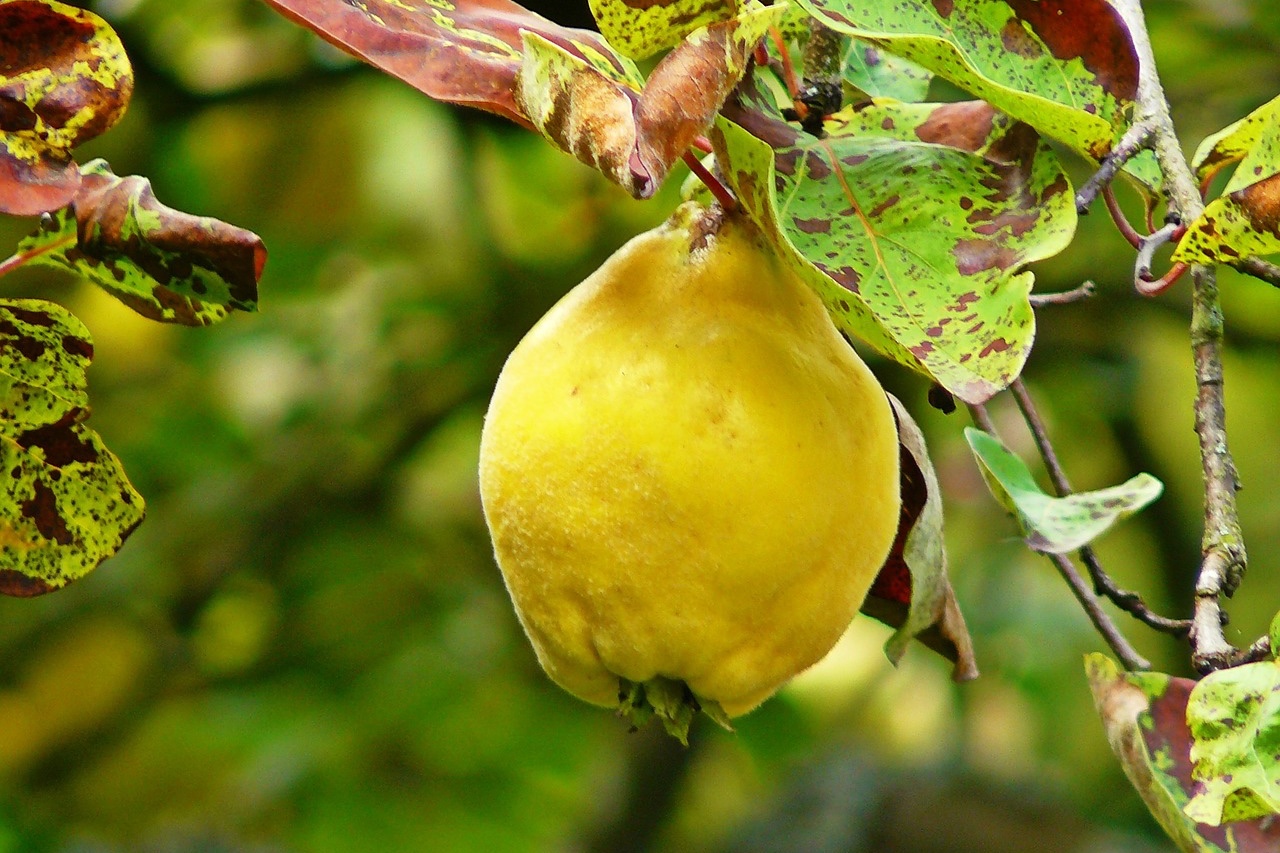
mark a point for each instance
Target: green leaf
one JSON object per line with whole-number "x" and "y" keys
{"x": 1068, "y": 69}
{"x": 634, "y": 137}
{"x": 64, "y": 79}
{"x": 639, "y": 30}
{"x": 911, "y": 221}
{"x": 1245, "y": 220}
{"x": 1051, "y": 524}
{"x": 67, "y": 504}
{"x": 164, "y": 264}
{"x": 1145, "y": 717}
{"x": 880, "y": 74}
{"x": 912, "y": 592}
{"x": 1234, "y": 717}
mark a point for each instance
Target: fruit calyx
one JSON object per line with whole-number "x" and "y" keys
{"x": 671, "y": 701}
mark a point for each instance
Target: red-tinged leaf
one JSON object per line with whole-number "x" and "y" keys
{"x": 64, "y": 79}
{"x": 1145, "y": 717}
{"x": 633, "y": 136}
{"x": 912, "y": 593}
{"x": 165, "y": 264}
{"x": 465, "y": 52}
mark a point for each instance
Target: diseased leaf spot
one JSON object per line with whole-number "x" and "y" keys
{"x": 42, "y": 510}
{"x": 60, "y": 443}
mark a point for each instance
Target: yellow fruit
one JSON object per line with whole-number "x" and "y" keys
{"x": 689, "y": 476}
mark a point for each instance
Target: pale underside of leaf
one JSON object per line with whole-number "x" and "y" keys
{"x": 1056, "y": 525}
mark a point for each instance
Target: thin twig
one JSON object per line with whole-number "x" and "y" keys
{"x": 18, "y": 259}
{"x": 1260, "y": 269}
{"x": 1079, "y": 587}
{"x": 1103, "y": 584}
{"x": 1222, "y": 544}
{"x": 1135, "y": 140}
{"x": 1066, "y": 297}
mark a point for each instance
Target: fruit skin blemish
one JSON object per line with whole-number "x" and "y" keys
{"x": 689, "y": 476}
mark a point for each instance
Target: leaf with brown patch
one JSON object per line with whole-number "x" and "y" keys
{"x": 641, "y": 28}
{"x": 1245, "y": 220}
{"x": 465, "y": 52}
{"x": 912, "y": 221}
{"x": 165, "y": 264}
{"x": 1145, "y": 717}
{"x": 64, "y": 79}
{"x": 912, "y": 593}
{"x": 632, "y": 135}
{"x": 67, "y": 504}
{"x": 1068, "y": 68}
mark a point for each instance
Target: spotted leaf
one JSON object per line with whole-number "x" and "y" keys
{"x": 64, "y": 79}
{"x": 67, "y": 504}
{"x": 1056, "y": 525}
{"x": 1145, "y": 718}
{"x": 164, "y": 264}
{"x": 1234, "y": 718}
{"x": 1245, "y": 220}
{"x": 1068, "y": 68}
{"x": 459, "y": 51}
{"x": 911, "y": 221}
{"x": 634, "y": 135}
{"x": 641, "y": 28}
{"x": 912, "y": 592}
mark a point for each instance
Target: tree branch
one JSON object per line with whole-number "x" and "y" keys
{"x": 1222, "y": 545}
{"x": 1135, "y": 140}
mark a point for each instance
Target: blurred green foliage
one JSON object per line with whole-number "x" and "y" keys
{"x": 306, "y": 647}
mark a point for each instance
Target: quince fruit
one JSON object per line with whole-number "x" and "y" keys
{"x": 690, "y": 478}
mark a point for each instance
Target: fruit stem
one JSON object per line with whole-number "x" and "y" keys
{"x": 714, "y": 184}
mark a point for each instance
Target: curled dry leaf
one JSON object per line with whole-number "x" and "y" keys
{"x": 634, "y": 135}
{"x": 64, "y": 79}
{"x": 165, "y": 264}
{"x": 912, "y": 592}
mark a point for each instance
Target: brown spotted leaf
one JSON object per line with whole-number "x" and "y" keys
{"x": 165, "y": 264}
{"x": 912, "y": 593}
{"x": 64, "y": 79}
{"x": 1068, "y": 68}
{"x": 459, "y": 51}
{"x": 1245, "y": 220}
{"x": 912, "y": 221}
{"x": 67, "y": 504}
{"x": 1145, "y": 717}
{"x": 641, "y": 28}
{"x": 634, "y": 136}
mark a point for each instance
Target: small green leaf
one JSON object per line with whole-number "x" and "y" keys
{"x": 64, "y": 79}
{"x": 639, "y": 30}
{"x": 1051, "y": 524}
{"x": 1234, "y": 717}
{"x": 1236, "y": 142}
{"x": 166, "y": 265}
{"x": 67, "y": 504}
{"x": 880, "y": 74}
{"x": 912, "y": 222}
